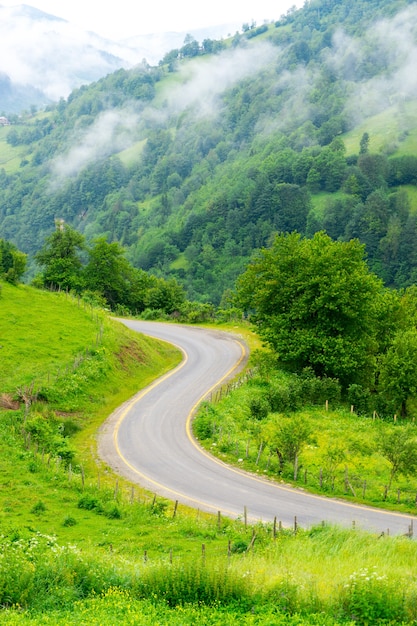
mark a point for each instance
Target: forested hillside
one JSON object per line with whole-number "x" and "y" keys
{"x": 304, "y": 125}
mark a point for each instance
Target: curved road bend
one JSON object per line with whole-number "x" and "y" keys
{"x": 148, "y": 440}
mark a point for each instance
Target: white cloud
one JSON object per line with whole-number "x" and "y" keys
{"x": 111, "y": 132}
{"x": 204, "y": 80}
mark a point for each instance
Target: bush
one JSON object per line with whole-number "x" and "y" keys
{"x": 317, "y": 390}
{"x": 193, "y": 582}
{"x": 360, "y": 398}
{"x": 285, "y": 396}
{"x": 369, "y": 598}
{"x": 90, "y": 503}
{"x": 38, "y": 508}
{"x": 259, "y": 407}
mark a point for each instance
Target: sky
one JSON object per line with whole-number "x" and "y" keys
{"x": 127, "y": 18}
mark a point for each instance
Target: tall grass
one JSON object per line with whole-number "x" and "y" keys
{"x": 336, "y": 574}
{"x": 79, "y": 546}
{"x": 342, "y": 457}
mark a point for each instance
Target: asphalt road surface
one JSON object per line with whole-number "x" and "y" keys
{"x": 148, "y": 440}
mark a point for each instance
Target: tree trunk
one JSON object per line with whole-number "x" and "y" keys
{"x": 280, "y": 460}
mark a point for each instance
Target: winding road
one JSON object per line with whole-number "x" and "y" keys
{"x": 148, "y": 440}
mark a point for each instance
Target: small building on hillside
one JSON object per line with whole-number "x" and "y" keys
{"x": 4, "y": 121}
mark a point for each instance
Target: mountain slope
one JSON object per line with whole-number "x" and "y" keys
{"x": 45, "y": 57}
{"x": 195, "y": 163}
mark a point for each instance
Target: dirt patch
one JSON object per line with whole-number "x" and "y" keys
{"x": 7, "y": 402}
{"x": 130, "y": 353}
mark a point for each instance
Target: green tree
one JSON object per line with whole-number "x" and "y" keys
{"x": 287, "y": 436}
{"x": 12, "y": 262}
{"x": 399, "y": 446}
{"x": 108, "y": 272}
{"x": 398, "y": 370}
{"x": 60, "y": 259}
{"x": 364, "y": 144}
{"x": 315, "y": 303}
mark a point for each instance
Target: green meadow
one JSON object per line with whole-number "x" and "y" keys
{"x": 80, "y": 545}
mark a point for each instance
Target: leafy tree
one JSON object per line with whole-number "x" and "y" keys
{"x": 287, "y": 436}
{"x": 399, "y": 446}
{"x": 60, "y": 259}
{"x": 398, "y": 370}
{"x": 107, "y": 271}
{"x": 12, "y": 262}
{"x": 315, "y": 303}
{"x": 364, "y": 144}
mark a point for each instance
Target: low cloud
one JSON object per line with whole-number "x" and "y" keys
{"x": 203, "y": 80}
{"x": 111, "y": 132}
{"x": 388, "y": 49}
{"x": 51, "y": 54}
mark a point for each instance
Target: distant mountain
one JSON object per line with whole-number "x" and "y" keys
{"x": 303, "y": 125}
{"x": 43, "y": 57}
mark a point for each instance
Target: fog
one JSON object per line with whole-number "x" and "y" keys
{"x": 391, "y": 47}
{"x": 205, "y": 80}
{"x": 378, "y": 71}
{"x": 110, "y": 133}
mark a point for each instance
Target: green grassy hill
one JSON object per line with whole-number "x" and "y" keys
{"x": 78, "y": 545}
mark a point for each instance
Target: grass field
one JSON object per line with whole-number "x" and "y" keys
{"x": 78, "y": 545}
{"x": 10, "y": 157}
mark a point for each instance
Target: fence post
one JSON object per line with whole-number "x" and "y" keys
{"x": 364, "y": 489}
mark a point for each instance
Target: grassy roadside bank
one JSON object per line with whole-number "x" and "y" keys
{"x": 78, "y": 546}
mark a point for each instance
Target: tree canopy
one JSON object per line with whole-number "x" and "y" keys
{"x": 316, "y": 303}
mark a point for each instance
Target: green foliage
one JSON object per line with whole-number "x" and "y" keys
{"x": 370, "y": 598}
{"x": 194, "y": 194}
{"x": 399, "y": 447}
{"x": 398, "y": 370}
{"x": 107, "y": 278}
{"x": 288, "y": 437}
{"x": 193, "y": 583}
{"x": 315, "y": 303}
{"x": 12, "y": 262}
{"x": 60, "y": 259}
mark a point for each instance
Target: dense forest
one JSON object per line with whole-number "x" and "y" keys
{"x": 303, "y": 125}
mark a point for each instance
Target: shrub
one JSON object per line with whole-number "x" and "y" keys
{"x": 369, "y": 598}
{"x": 90, "y": 503}
{"x": 38, "y": 508}
{"x": 184, "y": 583}
{"x": 360, "y": 398}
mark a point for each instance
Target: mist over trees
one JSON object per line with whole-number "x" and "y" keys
{"x": 192, "y": 165}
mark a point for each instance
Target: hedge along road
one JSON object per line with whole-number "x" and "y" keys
{"x": 149, "y": 441}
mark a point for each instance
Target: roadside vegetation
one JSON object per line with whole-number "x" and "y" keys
{"x": 80, "y": 545}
